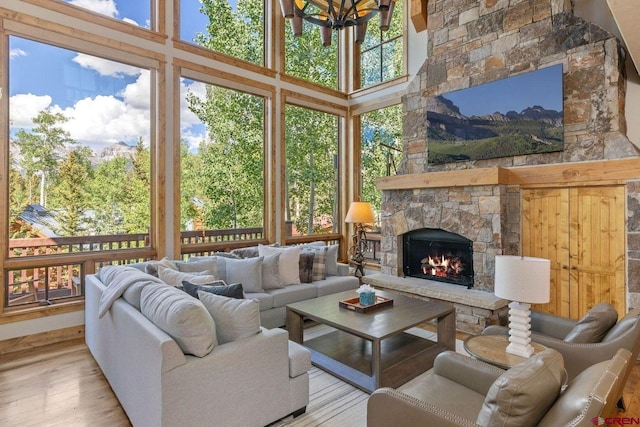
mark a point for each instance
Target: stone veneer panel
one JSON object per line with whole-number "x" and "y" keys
{"x": 471, "y": 42}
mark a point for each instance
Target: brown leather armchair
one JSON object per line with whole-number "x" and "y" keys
{"x": 550, "y": 331}
{"x": 461, "y": 391}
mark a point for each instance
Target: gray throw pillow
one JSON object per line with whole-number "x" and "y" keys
{"x": 183, "y": 318}
{"x": 594, "y": 325}
{"x": 523, "y": 394}
{"x": 271, "y": 272}
{"x": 306, "y": 266}
{"x": 234, "y": 318}
{"x": 247, "y": 271}
{"x": 218, "y": 287}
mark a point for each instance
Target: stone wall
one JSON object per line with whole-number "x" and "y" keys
{"x": 472, "y": 42}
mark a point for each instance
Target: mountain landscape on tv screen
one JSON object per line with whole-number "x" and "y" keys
{"x": 454, "y": 137}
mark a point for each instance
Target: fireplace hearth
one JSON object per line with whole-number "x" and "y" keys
{"x": 440, "y": 255}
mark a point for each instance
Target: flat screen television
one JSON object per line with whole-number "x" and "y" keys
{"x": 514, "y": 116}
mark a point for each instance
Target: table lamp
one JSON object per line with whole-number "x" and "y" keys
{"x": 359, "y": 214}
{"x": 522, "y": 280}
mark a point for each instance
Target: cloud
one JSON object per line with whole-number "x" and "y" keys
{"x": 105, "y": 67}
{"x": 14, "y": 53}
{"x": 192, "y": 130}
{"x": 26, "y": 106}
{"x": 103, "y": 7}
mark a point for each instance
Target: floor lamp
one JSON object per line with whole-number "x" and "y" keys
{"x": 524, "y": 281}
{"x": 359, "y": 213}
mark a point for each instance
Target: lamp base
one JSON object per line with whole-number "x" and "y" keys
{"x": 520, "y": 329}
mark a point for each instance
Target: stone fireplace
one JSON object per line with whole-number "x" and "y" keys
{"x": 477, "y": 41}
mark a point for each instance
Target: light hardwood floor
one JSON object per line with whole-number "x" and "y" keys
{"x": 61, "y": 385}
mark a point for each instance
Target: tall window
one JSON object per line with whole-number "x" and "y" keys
{"x": 136, "y": 13}
{"x": 79, "y": 177}
{"x": 381, "y": 149}
{"x": 222, "y": 162}
{"x": 235, "y": 28}
{"x": 306, "y": 58}
{"x": 312, "y": 170}
{"x": 381, "y": 54}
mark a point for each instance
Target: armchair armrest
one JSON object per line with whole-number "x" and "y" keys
{"x": 389, "y": 407}
{"x": 468, "y": 372}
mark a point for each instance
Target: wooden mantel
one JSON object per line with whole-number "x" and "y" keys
{"x": 560, "y": 174}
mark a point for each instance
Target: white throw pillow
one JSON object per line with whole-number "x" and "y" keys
{"x": 221, "y": 269}
{"x": 209, "y": 264}
{"x": 234, "y": 318}
{"x": 182, "y": 317}
{"x": 175, "y": 278}
{"x": 271, "y": 272}
{"x": 289, "y": 262}
{"x": 247, "y": 271}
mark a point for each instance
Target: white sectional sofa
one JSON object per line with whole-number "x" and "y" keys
{"x": 252, "y": 381}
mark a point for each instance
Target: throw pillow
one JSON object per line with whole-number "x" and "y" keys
{"x": 175, "y": 278}
{"x": 208, "y": 264}
{"x": 594, "y": 325}
{"x": 523, "y": 394}
{"x": 271, "y": 272}
{"x": 221, "y": 266}
{"x": 231, "y": 291}
{"x": 234, "y": 318}
{"x": 306, "y": 267}
{"x": 331, "y": 261}
{"x": 183, "y": 318}
{"x": 319, "y": 269}
{"x": 288, "y": 265}
{"x": 249, "y": 252}
{"x": 192, "y": 288}
{"x": 247, "y": 271}
{"x": 152, "y": 266}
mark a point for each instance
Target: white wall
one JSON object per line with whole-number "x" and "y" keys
{"x": 42, "y": 324}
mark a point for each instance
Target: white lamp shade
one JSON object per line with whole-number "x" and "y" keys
{"x": 522, "y": 279}
{"x": 360, "y": 212}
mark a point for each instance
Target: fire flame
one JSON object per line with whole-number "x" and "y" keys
{"x": 441, "y": 266}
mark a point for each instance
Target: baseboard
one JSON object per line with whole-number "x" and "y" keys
{"x": 30, "y": 342}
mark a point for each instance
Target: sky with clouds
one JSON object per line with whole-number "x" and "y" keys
{"x": 105, "y": 101}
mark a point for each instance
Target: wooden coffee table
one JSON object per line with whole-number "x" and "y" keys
{"x": 372, "y": 350}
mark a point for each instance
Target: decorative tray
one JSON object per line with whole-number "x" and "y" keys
{"x": 354, "y": 304}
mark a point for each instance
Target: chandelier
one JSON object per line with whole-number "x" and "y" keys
{"x": 337, "y": 14}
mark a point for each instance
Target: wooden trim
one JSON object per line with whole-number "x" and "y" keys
{"x": 312, "y": 103}
{"x": 203, "y": 52}
{"x": 159, "y": 145}
{"x": 78, "y": 258}
{"x": 296, "y": 81}
{"x": 106, "y": 21}
{"x": 561, "y": 174}
{"x": 220, "y": 78}
{"x": 29, "y": 342}
{"x": 20, "y": 314}
{"x": 419, "y": 14}
{"x": 380, "y": 86}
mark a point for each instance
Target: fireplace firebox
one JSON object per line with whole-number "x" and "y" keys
{"x": 438, "y": 255}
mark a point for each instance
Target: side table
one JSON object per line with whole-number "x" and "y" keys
{"x": 493, "y": 349}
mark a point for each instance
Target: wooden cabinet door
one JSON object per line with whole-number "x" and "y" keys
{"x": 582, "y": 231}
{"x": 545, "y": 234}
{"x": 597, "y": 234}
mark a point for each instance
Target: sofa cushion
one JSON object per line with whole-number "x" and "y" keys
{"x": 319, "y": 263}
{"x": 234, "y": 319}
{"x": 523, "y": 394}
{"x": 221, "y": 288}
{"x": 306, "y": 266}
{"x": 293, "y": 293}
{"x": 175, "y": 278}
{"x": 594, "y": 325}
{"x": 247, "y": 271}
{"x": 183, "y": 318}
{"x": 288, "y": 265}
{"x": 271, "y": 272}
{"x": 221, "y": 269}
{"x": 335, "y": 284}
{"x": 264, "y": 298}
